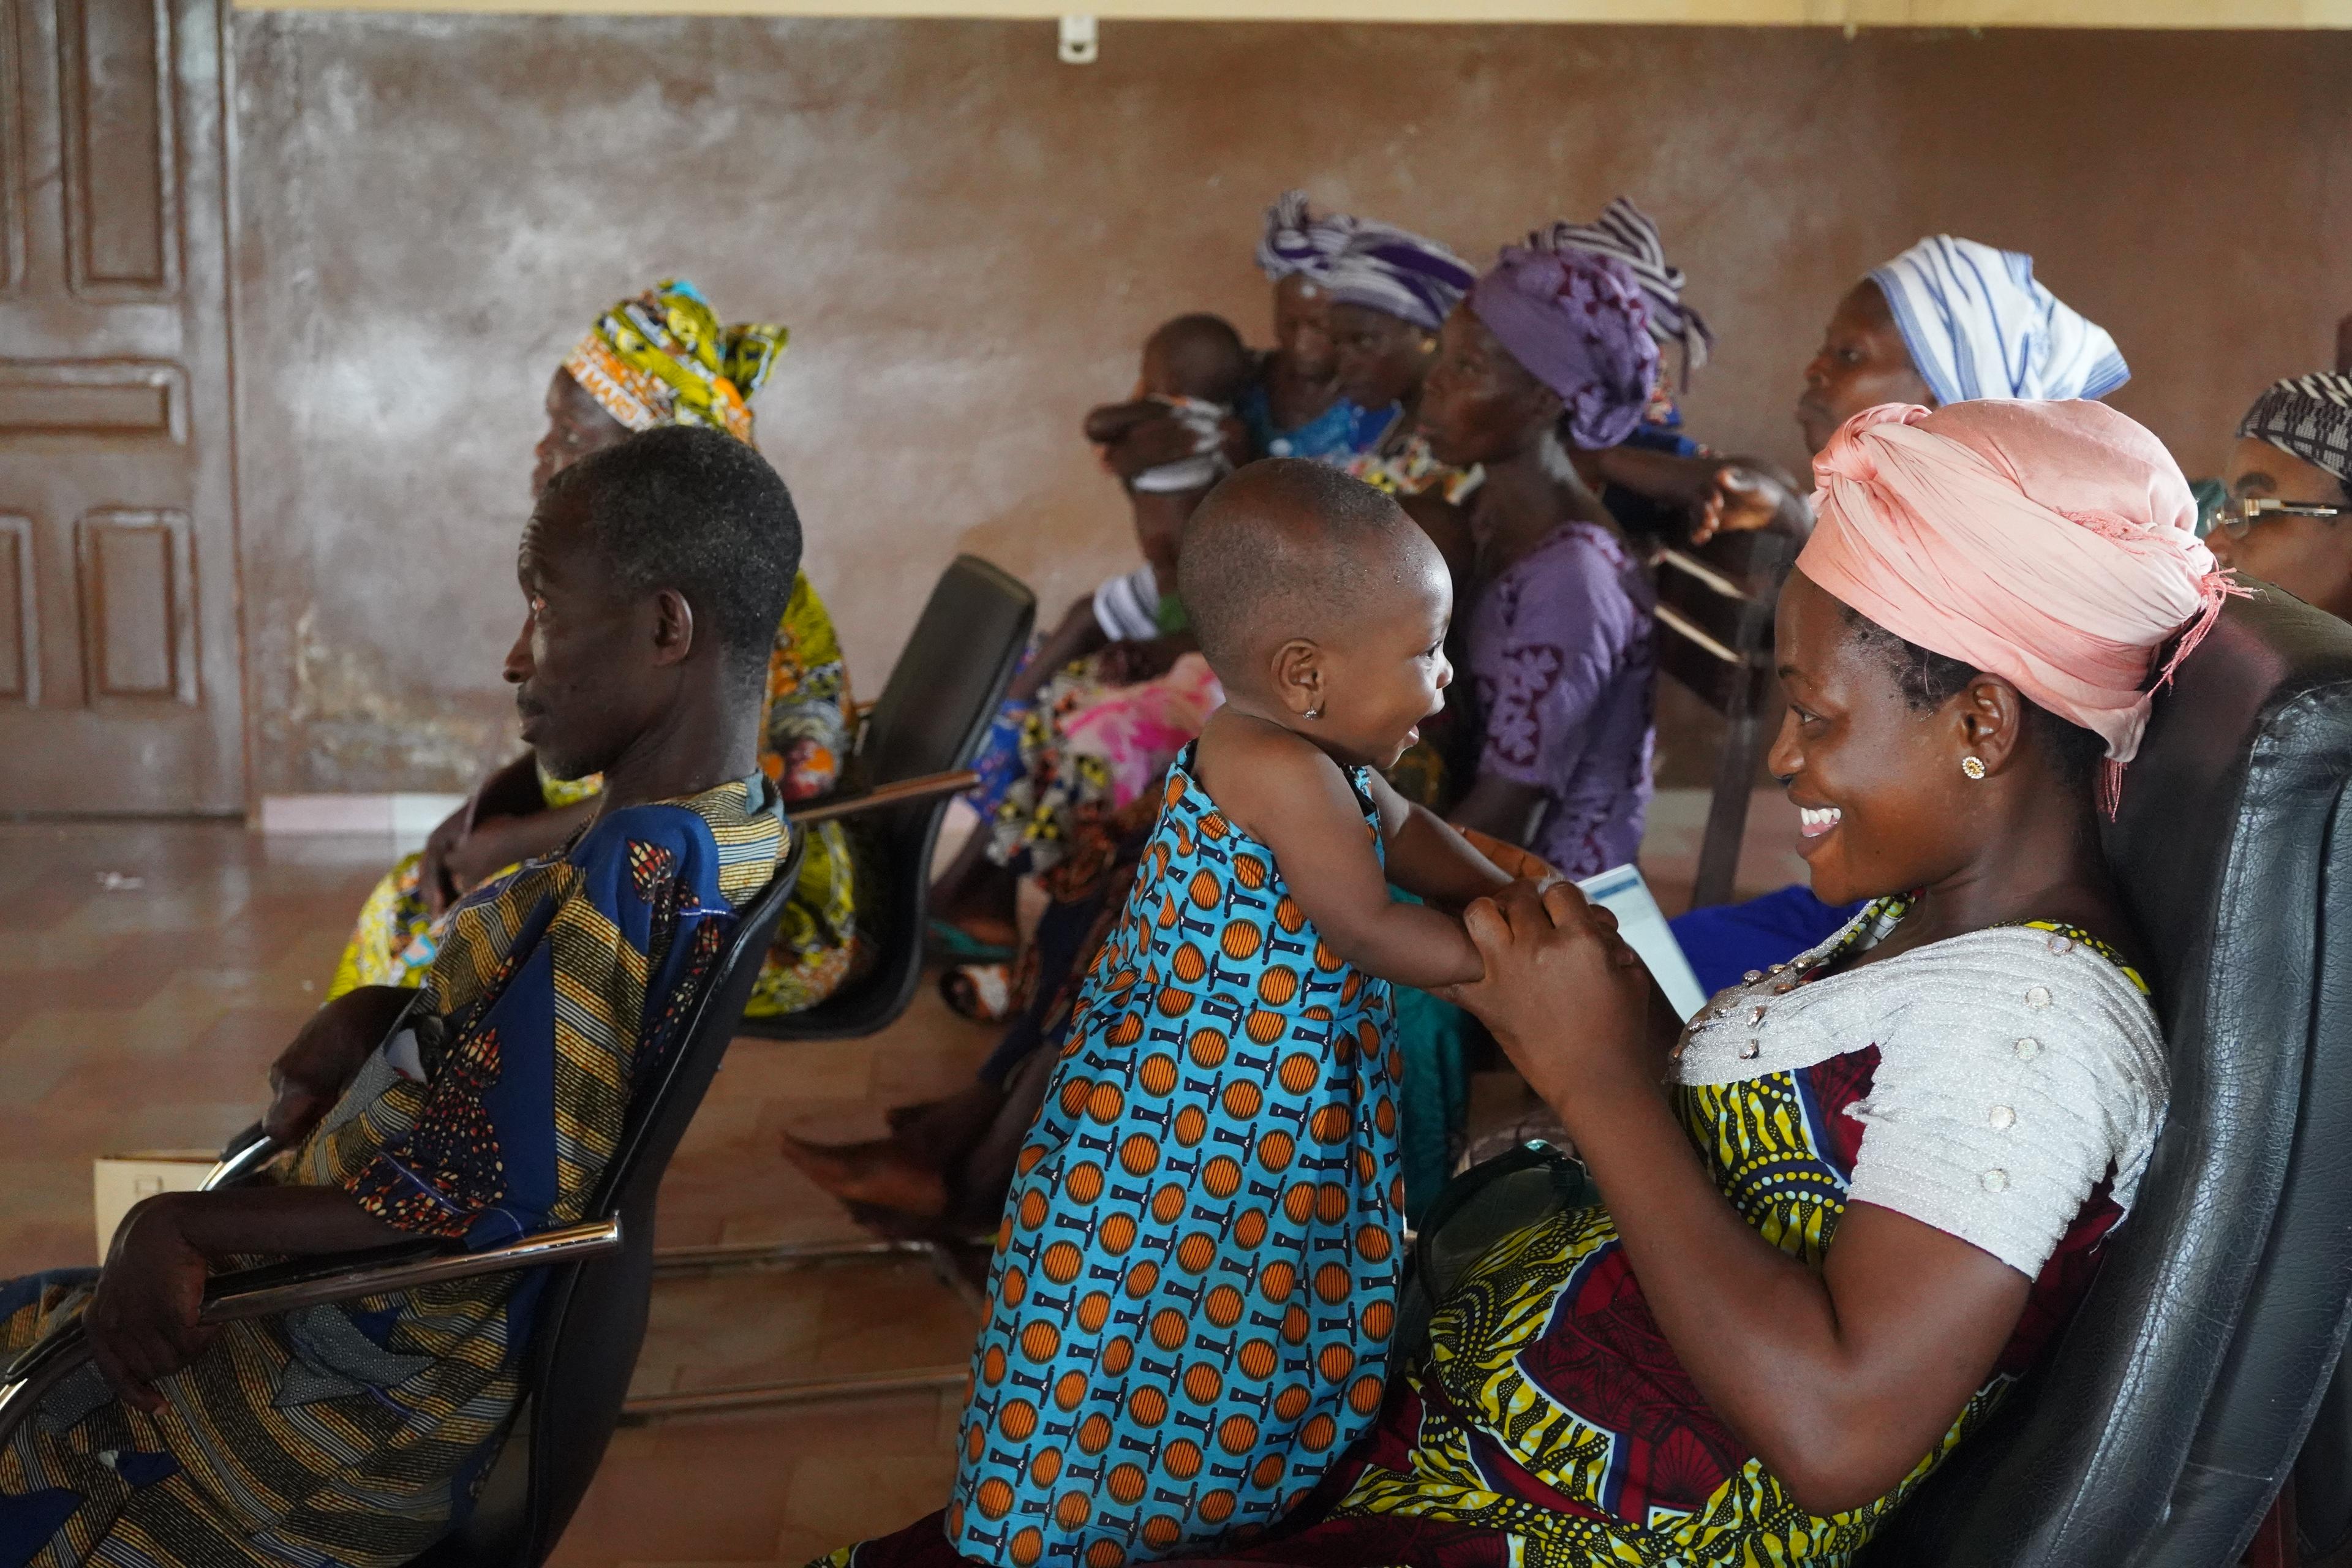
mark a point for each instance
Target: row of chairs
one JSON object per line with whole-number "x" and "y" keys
{"x": 2161, "y": 1432}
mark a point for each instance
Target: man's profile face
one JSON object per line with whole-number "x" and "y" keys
{"x": 579, "y": 665}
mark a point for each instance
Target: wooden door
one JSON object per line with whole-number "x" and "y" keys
{"x": 118, "y": 649}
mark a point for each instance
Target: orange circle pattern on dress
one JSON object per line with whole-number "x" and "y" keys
{"x": 1196, "y": 1285}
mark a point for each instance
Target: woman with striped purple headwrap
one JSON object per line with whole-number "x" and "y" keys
{"x": 1625, "y": 233}
{"x": 1390, "y": 292}
{"x": 1296, "y": 410}
{"x": 1658, "y": 482}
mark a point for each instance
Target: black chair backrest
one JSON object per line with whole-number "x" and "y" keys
{"x": 591, "y": 1316}
{"x": 2170, "y": 1411}
{"x": 932, "y": 719}
{"x": 1714, "y": 637}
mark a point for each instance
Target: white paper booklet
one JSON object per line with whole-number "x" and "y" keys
{"x": 1643, "y": 926}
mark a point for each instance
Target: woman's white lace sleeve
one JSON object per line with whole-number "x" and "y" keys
{"x": 2009, "y": 1086}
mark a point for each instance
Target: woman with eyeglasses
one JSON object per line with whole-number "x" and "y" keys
{"x": 2290, "y": 490}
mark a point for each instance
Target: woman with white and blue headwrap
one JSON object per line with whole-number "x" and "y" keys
{"x": 1295, "y": 409}
{"x": 1946, "y": 321}
{"x": 1979, "y": 325}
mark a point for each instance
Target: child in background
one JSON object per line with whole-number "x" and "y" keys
{"x": 1195, "y": 1281}
{"x": 1038, "y": 790}
{"x": 1174, "y": 439}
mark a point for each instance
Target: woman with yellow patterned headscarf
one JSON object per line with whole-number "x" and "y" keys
{"x": 662, "y": 358}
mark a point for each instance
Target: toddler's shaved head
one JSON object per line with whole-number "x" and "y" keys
{"x": 1198, "y": 356}
{"x": 1287, "y": 548}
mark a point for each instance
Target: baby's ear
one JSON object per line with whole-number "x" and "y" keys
{"x": 1297, "y": 667}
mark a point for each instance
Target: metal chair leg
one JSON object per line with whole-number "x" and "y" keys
{"x": 650, "y": 1408}
{"x": 796, "y": 1254}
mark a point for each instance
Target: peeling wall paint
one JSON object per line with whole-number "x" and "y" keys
{"x": 969, "y": 240}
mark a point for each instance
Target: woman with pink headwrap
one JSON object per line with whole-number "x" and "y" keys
{"x": 1780, "y": 1288}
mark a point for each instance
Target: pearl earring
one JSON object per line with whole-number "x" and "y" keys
{"x": 1973, "y": 766}
{"x": 1316, "y": 711}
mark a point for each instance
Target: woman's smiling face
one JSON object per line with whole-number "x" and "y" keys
{"x": 1885, "y": 807}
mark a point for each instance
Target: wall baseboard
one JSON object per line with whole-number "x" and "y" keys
{"x": 404, "y": 817}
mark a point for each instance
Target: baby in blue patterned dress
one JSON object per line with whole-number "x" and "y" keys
{"x": 1195, "y": 1282}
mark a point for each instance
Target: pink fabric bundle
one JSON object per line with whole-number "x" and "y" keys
{"x": 2053, "y": 544}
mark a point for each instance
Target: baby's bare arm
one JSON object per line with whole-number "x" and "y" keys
{"x": 1428, "y": 859}
{"x": 1289, "y": 796}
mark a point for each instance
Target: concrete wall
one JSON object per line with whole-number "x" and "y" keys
{"x": 968, "y": 238}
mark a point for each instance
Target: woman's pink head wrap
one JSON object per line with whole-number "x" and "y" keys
{"x": 2053, "y": 544}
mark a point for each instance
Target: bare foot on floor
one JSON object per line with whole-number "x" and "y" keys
{"x": 879, "y": 1173}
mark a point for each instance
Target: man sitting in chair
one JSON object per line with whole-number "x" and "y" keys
{"x": 653, "y": 574}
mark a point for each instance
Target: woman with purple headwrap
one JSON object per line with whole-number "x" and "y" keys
{"x": 1548, "y": 359}
{"x": 1660, "y": 484}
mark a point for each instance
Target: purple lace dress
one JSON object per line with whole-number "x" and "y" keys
{"x": 1564, "y": 662}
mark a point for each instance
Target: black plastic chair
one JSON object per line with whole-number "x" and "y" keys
{"x": 590, "y": 1319}
{"x": 2172, "y": 1409}
{"x": 916, "y": 752}
{"x": 917, "y": 743}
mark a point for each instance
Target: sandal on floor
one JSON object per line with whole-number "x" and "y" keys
{"x": 980, "y": 991}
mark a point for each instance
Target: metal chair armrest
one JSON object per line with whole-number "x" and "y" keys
{"x": 309, "y": 1282}
{"x": 306, "y": 1282}
{"x": 902, "y": 791}
{"x": 247, "y": 1152}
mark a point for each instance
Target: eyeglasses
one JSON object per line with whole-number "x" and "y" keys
{"x": 2239, "y": 515}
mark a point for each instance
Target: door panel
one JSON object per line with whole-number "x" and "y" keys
{"x": 114, "y": 66}
{"x": 119, "y": 687}
{"x": 16, "y": 661}
{"x": 138, "y": 629}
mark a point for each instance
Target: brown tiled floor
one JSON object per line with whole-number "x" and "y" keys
{"x": 142, "y": 1017}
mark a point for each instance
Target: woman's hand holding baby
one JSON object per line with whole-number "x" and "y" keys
{"x": 1572, "y": 1004}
